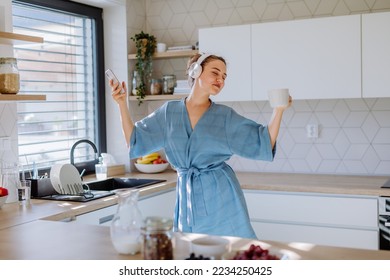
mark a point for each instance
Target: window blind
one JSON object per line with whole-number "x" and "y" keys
{"x": 62, "y": 68}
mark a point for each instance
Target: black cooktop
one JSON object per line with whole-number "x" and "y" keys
{"x": 386, "y": 184}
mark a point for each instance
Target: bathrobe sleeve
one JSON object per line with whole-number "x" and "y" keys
{"x": 248, "y": 139}
{"x": 149, "y": 134}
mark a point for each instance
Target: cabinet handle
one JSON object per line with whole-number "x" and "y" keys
{"x": 106, "y": 219}
{"x": 69, "y": 219}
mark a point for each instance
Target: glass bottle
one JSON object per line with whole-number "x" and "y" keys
{"x": 101, "y": 170}
{"x": 126, "y": 226}
{"x": 157, "y": 239}
{"x": 135, "y": 82}
{"x": 9, "y": 76}
{"x": 169, "y": 83}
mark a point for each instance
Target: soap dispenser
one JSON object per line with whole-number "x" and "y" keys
{"x": 101, "y": 170}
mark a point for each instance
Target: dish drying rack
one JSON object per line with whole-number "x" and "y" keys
{"x": 74, "y": 189}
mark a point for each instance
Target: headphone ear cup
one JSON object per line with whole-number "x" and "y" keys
{"x": 195, "y": 70}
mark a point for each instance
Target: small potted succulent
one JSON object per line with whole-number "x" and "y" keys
{"x": 145, "y": 47}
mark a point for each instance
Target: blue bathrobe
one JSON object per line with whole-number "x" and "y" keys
{"x": 208, "y": 195}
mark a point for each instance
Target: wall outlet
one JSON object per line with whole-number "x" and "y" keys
{"x": 5, "y": 143}
{"x": 312, "y": 131}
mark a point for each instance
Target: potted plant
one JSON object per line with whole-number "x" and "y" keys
{"x": 145, "y": 47}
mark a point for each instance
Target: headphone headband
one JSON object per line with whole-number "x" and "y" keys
{"x": 202, "y": 58}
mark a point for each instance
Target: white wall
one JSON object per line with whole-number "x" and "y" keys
{"x": 115, "y": 55}
{"x": 8, "y": 115}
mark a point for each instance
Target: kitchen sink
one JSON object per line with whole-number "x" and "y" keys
{"x": 98, "y": 189}
{"x": 121, "y": 183}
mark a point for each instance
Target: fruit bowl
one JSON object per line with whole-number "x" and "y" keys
{"x": 3, "y": 199}
{"x": 151, "y": 168}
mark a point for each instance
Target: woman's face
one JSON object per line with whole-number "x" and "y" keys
{"x": 213, "y": 76}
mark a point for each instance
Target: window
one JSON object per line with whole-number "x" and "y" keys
{"x": 68, "y": 69}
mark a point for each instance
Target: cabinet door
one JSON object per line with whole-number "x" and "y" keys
{"x": 376, "y": 54}
{"x": 159, "y": 204}
{"x": 233, "y": 44}
{"x": 315, "y": 58}
{"x": 346, "y": 221}
{"x": 162, "y": 205}
{"x": 328, "y": 236}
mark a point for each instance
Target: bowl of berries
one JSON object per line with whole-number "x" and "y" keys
{"x": 255, "y": 252}
{"x": 210, "y": 246}
{"x": 3, "y": 196}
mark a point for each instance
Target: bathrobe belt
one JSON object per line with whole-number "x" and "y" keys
{"x": 191, "y": 192}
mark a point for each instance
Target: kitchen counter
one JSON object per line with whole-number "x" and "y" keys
{"x": 12, "y": 214}
{"x": 326, "y": 184}
{"x": 41, "y": 240}
{"x": 39, "y": 222}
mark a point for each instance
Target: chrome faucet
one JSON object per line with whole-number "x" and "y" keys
{"x": 89, "y": 166}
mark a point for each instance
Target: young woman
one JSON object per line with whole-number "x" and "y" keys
{"x": 198, "y": 137}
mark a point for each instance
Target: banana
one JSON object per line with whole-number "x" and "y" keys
{"x": 148, "y": 160}
{"x": 152, "y": 155}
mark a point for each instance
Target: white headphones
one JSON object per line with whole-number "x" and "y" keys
{"x": 195, "y": 68}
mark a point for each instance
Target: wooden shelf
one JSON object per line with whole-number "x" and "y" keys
{"x": 22, "y": 97}
{"x": 171, "y": 54}
{"x": 12, "y": 38}
{"x": 159, "y": 97}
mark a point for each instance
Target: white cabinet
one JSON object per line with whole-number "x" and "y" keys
{"x": 376, "y": 54}
{"x": 315, "y": 58}
{"x": 233, "y": 44}
{"x": 160, "y": 204}
{"x": 345, "y": 221}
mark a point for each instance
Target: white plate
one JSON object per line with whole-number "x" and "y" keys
{"x": 272, "y": 252}
{"x": 66, "y": 179}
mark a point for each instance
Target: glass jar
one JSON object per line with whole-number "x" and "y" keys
{"x": 155, "y": 86}
{"x": 169, "y": 83}
{"x": 136, "y": 82}
{"x": 157, "y": 239}
{"x": 125, "y": 229}
{"x": 9, "y": 76}
{"x": 9, "y": 179}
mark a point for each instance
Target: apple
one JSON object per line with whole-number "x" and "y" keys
{"x": 159, "y": 161}
{"x": 3, "y": 191}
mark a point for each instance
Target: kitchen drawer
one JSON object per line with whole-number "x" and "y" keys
{"x": 102, "y": 216}
{"x": 328, "y": 236}
{"x": 309, "y": 209}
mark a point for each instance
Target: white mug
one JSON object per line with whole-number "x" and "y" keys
{"x": 278, "y": 97}
{"x": 161, "y": 47}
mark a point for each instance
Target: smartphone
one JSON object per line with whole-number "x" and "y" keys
{"x": 111, "y": 76}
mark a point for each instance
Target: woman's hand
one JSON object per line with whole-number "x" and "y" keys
{"x": 121, "y": 98}
{"x": 116, "y": 91}
{"x": 276, "y": 119}
{"x": 287, "y": 106}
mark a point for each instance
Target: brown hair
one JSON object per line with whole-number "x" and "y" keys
{"x": 195, "y": 57}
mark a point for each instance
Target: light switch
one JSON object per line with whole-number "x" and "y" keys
{"x": 312, "y": 131}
